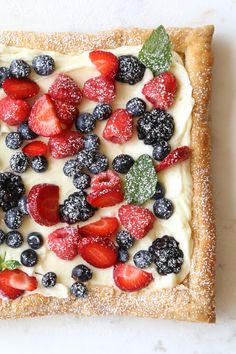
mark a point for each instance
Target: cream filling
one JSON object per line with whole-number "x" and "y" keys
{"x": 177, "y": 180}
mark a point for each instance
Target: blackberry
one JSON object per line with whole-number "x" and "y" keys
{"x": 163, "y": 208}
{"x": 19, "y": 69}
{"x": 85, "y": 123}
{"x": 22, "y": 206}
{"x": 155, "y": 126}
{"x": 91, "y": 142}
{"x": 39, "y": 164}
{"x": 130, "y": 69}
{"x": 160, "y": 192}
{"x": 49, "y": 280}
{"x": 19, "y": 162}
{"x": 81, "y": 273}
{"x": 43, "y": 65}
{"x": 99, "y": 164}
{"x": 160, "y": 150}
{"x": 79, "y": 290}
{"x": 26, "y": 132}
{"x": 123, "y": 255}
{"x": 142, "y": 259}
{"x": 122, "y": 163}
{"x": 4, "y": 74}
{"x": 2, "y": 236}
{"x": 81, "y": 180}
{"x": 35, "y": 240}
{"x": 102, "y": 111}
{"x": 29, "y": 258}
{"x": 71, "y": 167}
{"x": 124, "y": 239}
{"x": 14, "y": 239}
{"x": 168, "y": 257}
{"x": 13, "y": 140}
{"x": 136, "y": 107}
{"x": 11, "y": 190}
{"x": 13, "y": 219}
{"x": 85, "y": 158}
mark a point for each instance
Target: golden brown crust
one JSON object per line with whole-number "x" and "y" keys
{"x": 195, "y": 299}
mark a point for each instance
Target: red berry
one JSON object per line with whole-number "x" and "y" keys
{"x": 100, "y": 252}
{"x": 106, "y": 180}
{"x": 20, "y": 88}
{"x": 43, "y": 203}
{"x": 99, "y": 89}
{"x": 13, "y": 112}
{"x": 137, "y": 220}
{"x": 65, "y": 89}
{"x": 105, "y": 62}
{"x": 13, "y": 283}
{"x": 104, "y": 227}
{"x": 66, "y": 144}
{"x": 119, "y": 127}
{"x": 130, "y": 278}
{"x": 105, "y": 198}
{"x": 64, "y": 242}
{"x": 161, "y": 90}
{"x": 176, "y": 156}
{"x": 35, "y": 148}
{"x": 43, "y": 118}
{"x": 66, "y": 112}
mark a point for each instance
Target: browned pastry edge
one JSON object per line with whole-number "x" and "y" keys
{"x": 193, "y": 300}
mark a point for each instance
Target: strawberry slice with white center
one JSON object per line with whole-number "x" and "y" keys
{"x": 64, "y": 242}
{"x": 35, "y": 148}
{"x": 20, "y": 88}
{"x": 13, "y": 283}
{"x": 104, "y": 227}
{"x": 105, "y": 62}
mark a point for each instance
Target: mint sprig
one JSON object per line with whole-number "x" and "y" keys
{"x": 140, "y": 181}
{"x": 156, "y": 52}
{"x": 10, "y": 264}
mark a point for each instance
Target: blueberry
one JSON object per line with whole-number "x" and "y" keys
{"x": 35, "y": 240}
{"x": 100, "y": 164}
{"x": 91, "y": 142}
{"x": 39, "y": 164}
{"x": 49, "y": 280}
{"x": 43, "y": 65}
{"x": 19, "y": 162}
{"x": 85, "y": 123}
{"x": 4, "y": 74}
{"x": 123, "y": 255}
{"x": 102, "y": 111}
{"x": 26, "y": 132}
{"x": 14, "y": 239}
{"x": 85, "y": 158}
{"x": 71, "y": 167}
{"x": 22, "y": 206}
{"x": 160, "y": 150}
{"x": 136, "y": 107}
{"x": 19, "y": 69}
{"x": 122, "y": 163}
{"x": 29, "y": 258}
{"x": 124, "y": 239}
{"x": 79, "y": 290}
{"x": 2, "y": 236}
{"x": 160, "y": 192}
{"x": 14, "y": 140}
{"x": 142, "y": 259}
{"x": 11, "y": 190}
{"x": 81, "y": 180}
{"x": 163, "y": 208}
{"x": 13, "y": 218}
{"x": 130, "y": 69}
{"x": 81, "y": 273}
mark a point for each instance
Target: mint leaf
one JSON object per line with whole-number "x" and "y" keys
{"x": 10, "y": 264}
{"x": 140, "y": 181}
{"x": 156, "y": 51}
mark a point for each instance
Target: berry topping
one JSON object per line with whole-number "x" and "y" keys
{"x": 105, "y": 198}
{"x": 176, "y": 156}
{"x": 79, "y": 290}
{"x": 66, "y": 144}
{"x": 22, "y": 206}
{"x": 65, "y": 89}
{"x": 130, "y": 69}
{"x": 39, "y": 164}
{"x": 19, "y": 162}
{"x": 35, "y": 148}
{"x": 122, "y": 163}
{"x": 20, "y": 88}
{"x": 137, "y": 220}
{"x": 13, "y": 218}
{"x": 160, "y": 150}
{"x": 136, "y": 107}
{"x": 104, "y": 227}
{"x": 19, "y": 69}
{"x": 106, "y": 180}
{"x": 102, "y": 111}
{"x": 4, "y": 74}
{"x": 119, "y": 127}
{"x": 130, "y": 278}
{"x": 63, "y": 242}
{"x": 11, "y": 189}
{"x": 2, "y": 237}
{"x": 124, "y": 239}
{"x": 163, "y": 208}
{"x": 106, "y": 62}
{"x": 99, "y": 164}
{"x": 142, "y": 259}
{"x": 161, "y": 90}
{"x": 43, "y": 64}
{"x": 26, "y": 132}
{"x": 43, "y": 204}
{"x": 66, "y": 112}
{"x": 160, "y": 191}
{"x": 81, "y": 180}
{"x": 85, "y": 158}
{"x": 29, "y": 258}
{"x": 100, "y": 252}
{"x": 85, "y": 123}
{"x": 35, "y": 240}
{"x": 14, "y": 239}
{"x": 71, "y": 168}
{"x": 99, "y": 89}
{"x": 81, "y": 273}
{"x": 14, "y": 282}
{"x": 49, "y": 280}
{"x": 14, "y": 140}
{"x": 12, "y": 111}
{"x": 123, "y": 255}
{"x": 91, "y": 142}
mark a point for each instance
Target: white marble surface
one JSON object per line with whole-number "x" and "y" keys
{"x": 139, "y": 336}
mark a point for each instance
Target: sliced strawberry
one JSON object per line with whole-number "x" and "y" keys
{"x": 43, "y": 118}
{"x": 65, "y": 89}
{"x": 130, "y": 278}
{"x": 161, "y": 90}
{"x": 119, "y": 127}
{"x": 20, "y": 88}
{"x": 64, "y": 242}
{"x": 137, "y": 220}
{"x": 35, "y": 148}
{"x": 106, "y": 180}
{"x": 105, "y": 198}
{"x": 105, "y": 62}
{"x": 98, "y": 251}
{"x": 104, "y": 227}
{"x": 43, "y": 203}
{"x": 13, "y": 112}
{"x": 8, "y": 291}
{"x": 13, "y": 283}
{"x": 66, "y": 144}
{"x": 66, "y": 112}
{"x": 99, "y": 89}
{"x": 176, "y": 156}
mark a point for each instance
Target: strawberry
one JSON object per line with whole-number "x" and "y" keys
{"x": 43, "y": 202}
{"x": 66, "y": 144}
{"x": 64, "y": 242}
{"x": 105, "y": 198}
{"x": 35, "y": 148}
{"x": 137, "y": 220}
{"x": 20, "y": 88}
{"x": 130, "y": 278}
{"x": 104, "y": 227}
{"x": 161, "y": 90}
{"x": 13, "y": 112}
{"x": 65, "y": 89}
{"x": 66, "y": 112}
{"x": 105, "y": 62}
{"x": 13, "y": 283}
{"x": 99, "y": 89}
{"x": 98, "y": 251}
{"x": 43, "y": 119}
{"x": 106, "y": 180}
{"x": 119, "y": 127}
{"x": 176, "y": 156}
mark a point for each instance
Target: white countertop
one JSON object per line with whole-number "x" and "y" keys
{"x": 122, "y": 335}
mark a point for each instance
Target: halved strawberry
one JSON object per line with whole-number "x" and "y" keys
{"x": 98, "y": 251}
{"x": 66, "y": 144}
{"x": 64, "y": 242}
{"x": 105, "y": 198}
{"x": 43, "y": 119}
{"x": 104, "y": 227}
{"x": 119, "y": 127}
{"x": 178, "y": 155}
{"x": 99, "y": 89}
{"x": 13, "y": 283}
{"x": 130, "y": 278}
{"x": 35, "y": 148}
{"x": 43, "y": 203}
{"x": 65, "y": 89}
{"x": 66, "y": 112}
{"x": 20, "y": 88}
{"x": 105, "y": 62}
{"x": 106, "y": 180}
{"x": 13, "y": 112}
